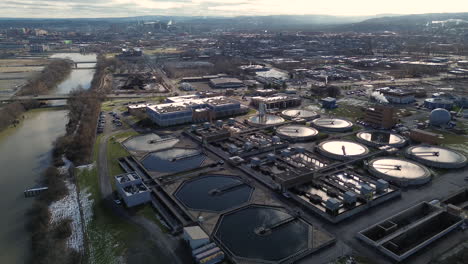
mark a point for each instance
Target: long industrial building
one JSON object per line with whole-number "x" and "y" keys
{"x": 182, "y": 110}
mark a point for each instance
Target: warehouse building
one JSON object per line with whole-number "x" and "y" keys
{"x": 398, "y": 96}
{"x": 224, "y": 83}
{"x": 279, "y": 102}
{"x": 192, "y": 109}
{"x": 433, "y": 103}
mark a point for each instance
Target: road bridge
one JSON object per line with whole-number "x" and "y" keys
{"x": 51, "y": 97}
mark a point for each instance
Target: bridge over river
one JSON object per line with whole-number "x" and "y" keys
{"x": 51, "y": 97}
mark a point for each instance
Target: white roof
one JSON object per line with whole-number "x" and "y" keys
{"x": 195, "y": 233}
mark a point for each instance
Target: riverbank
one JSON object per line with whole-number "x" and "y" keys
{"x": 52, "y": 75}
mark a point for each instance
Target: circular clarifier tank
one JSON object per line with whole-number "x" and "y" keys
{"x": 299, "y": 113}
{"x": 332, "y": 124}
{"x": 435, "y": 156}
{"x": 264, "y": 234}
{"x": 149, "y": 143}
{"x": 342, "y": 149}
{"x": 173, "y": 160}
{"x": 400, "y": 171}
{"x": 263, "y": 120}
{"x": 214, "y": 193}
{"x": 381, "y": 138}
{"x": 296, "y": 132}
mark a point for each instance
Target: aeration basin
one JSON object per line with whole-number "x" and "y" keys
{"x": 381, "y": 138}
{"x": 296, "y": 132}
{"x": 342, "y": 149}
{"x": 149, "y": 143}
{"x": 435, "y": 156}
{"x": 400, "y": 171}
{"x": 263, "y": 234}
{"x": 332, "y": 124}
{"x": 173, "y": 160}
{"x": 214, "y": 193}
{"x": 264, "y": 120}
{"x": 299, "y": 113}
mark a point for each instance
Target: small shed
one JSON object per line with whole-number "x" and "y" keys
{"x": 195, "y": 236}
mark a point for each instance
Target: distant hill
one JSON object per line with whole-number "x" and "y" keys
{"x": 405, "y": 23}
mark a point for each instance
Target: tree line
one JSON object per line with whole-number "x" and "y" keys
{"x": 84, "y": 108}
{"x": 49, "y": 78}
{"x": 49, "y": 241}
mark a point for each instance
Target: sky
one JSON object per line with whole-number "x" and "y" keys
{"x": 128, "y": 8}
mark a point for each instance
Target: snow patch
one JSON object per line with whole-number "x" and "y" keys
{"x": 88, "y": 166}
{"x": 68, "y": 208}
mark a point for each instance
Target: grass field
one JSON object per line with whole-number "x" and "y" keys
{"x": 110, "y": 238}
{"x": 20, "y": 69}
{"x": 106, "y": 234}
{"x": 115, "y": 150}
{"x": 351, "y": 112}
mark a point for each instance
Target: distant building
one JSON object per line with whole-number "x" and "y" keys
{"x": 131, "y": 52}
{"x": 137, "y": 109}
{"x": 132, "y": 189}
{"x": 425, "y": 136}
{"x": 39, "y": 48}
{"x": 433, "y": 103}
{"x": 224, "y": 83}
{"x": 193, "y": 109}
{"x": 380, "y": 116}
{"x": 265, "y": 92}
{"x": 398, "y": 96}
{"x": 279, "y": 101}
{"x": 328, "y": 103}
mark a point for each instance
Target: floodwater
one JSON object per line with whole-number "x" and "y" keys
{"x": 25, "y": 152}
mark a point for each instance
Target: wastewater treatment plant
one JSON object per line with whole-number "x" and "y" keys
{"x": 284, "y": 187}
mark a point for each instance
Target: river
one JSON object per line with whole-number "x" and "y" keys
{"x": 25, "y": 151}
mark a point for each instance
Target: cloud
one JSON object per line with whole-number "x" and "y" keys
{"x": 112, "y": 8}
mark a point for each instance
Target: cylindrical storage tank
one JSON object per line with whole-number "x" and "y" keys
{"x": 381, "y": 138}
{"x": 297, "y": 132}
{"x": 206, "y": 125}
{"x": 332, "y": 124}
{"x": 300, "y": 149}
{"x": 271, "y": 157}
{"x": 255, "y": 162}
{"x": 275, "y": 139}
{"x": 263, "y": 142}
{"x": 435, "y": 156}
{"x": 248, "y": 146}
{"x": 439, "y": 117}
{"x": 219, "y": 123}
{"x": 231, "y": 121}
{"x": 233, "y": 149}
{"x": 342, "y": 149}
{"x": 399, "y": 171}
